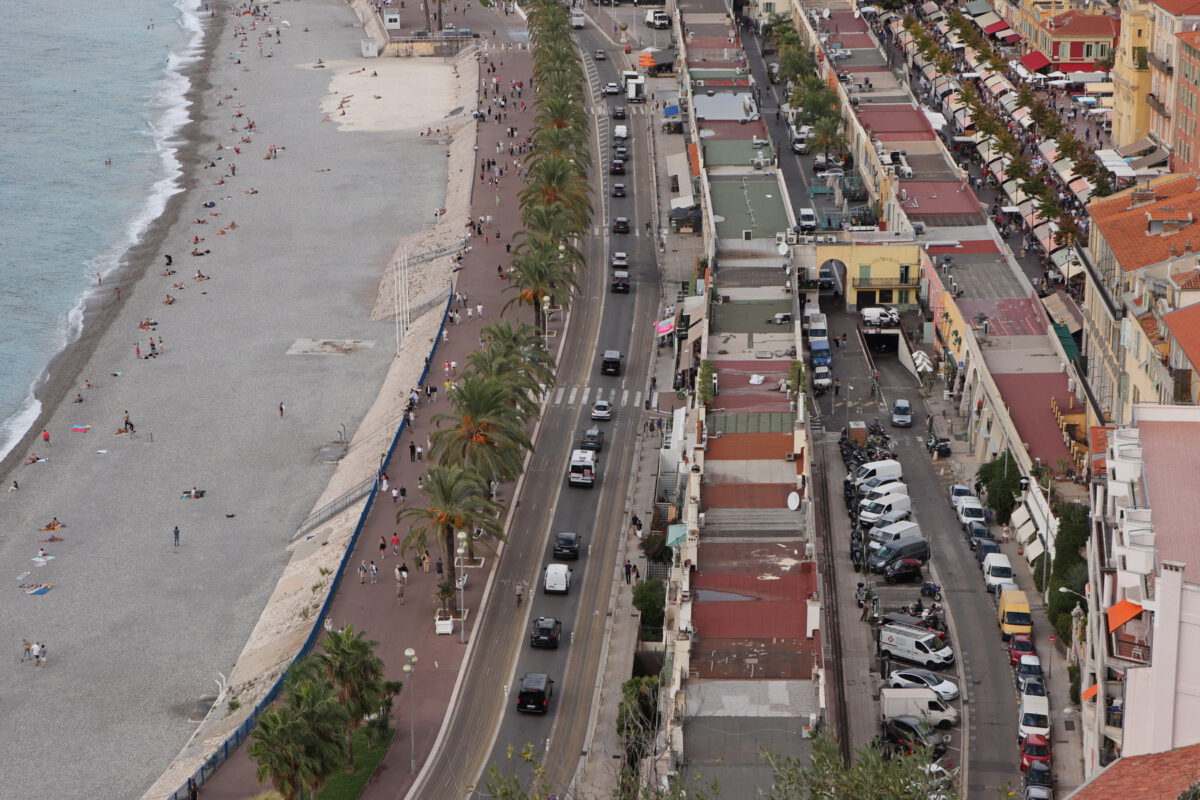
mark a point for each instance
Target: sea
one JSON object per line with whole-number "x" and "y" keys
{"x": 93, "y": 103}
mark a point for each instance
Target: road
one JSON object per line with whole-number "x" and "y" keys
{"x": 484, "y": 722}
{"x": 988, "y": 704}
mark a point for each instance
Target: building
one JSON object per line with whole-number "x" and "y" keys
{"x": 1137, "y": 336}
{"x": 888, "y": 274}
{"x": 1144, "y": 594}
{"x": 1075, "y": 41}
{"x": 1161, "y": 776}
{"x": 1131, "y": 74}
{"x": 1185, "y": 139}
{"x": 1171, "y": 18}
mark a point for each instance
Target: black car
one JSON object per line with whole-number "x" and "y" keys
{"x": 566, "y": 546}
{"x": 1039, "y": 773}
{"x": 546, "y": 632}
{"x": 911, "y": 733}
{"x": 618, "y": 190}
{"x": 616, "y": 167}
{"x": 902, "y": 571}
{"x": 978, "y": 532}
{"x": 537, "y": 688}
{"x": 618, "y": 112}
{"x": 593, "y": 439}
{"x": 620, "y": 225}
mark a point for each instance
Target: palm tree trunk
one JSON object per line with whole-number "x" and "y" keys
{"x": 451, "y": 573}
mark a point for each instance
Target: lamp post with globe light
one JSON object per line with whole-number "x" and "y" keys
{"x": 409, "y": 670}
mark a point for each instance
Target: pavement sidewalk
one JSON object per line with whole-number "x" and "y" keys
{"x": 372, "y": 606}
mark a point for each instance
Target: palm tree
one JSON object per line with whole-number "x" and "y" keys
{"x": 523, "y": 388}
{"x": 523, "y": 346}
{"x": 277, "y": 747}
{"x": 540, "y": 273}
{"x": 324, "y": 721}
{"x": 483, "y": 432}
{"x": 457, "y": 502}
{"x": 350, "y": 666}
{"x": 827, "y": 135}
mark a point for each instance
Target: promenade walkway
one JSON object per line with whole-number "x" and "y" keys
{"x": 373, "y": 607}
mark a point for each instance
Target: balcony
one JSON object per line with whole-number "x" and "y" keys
{"x": 884, "y": 283}
{"x": 1135, "y": 650}
{"x": 1157, "y": 105}
{"x": 1159, "y": 64}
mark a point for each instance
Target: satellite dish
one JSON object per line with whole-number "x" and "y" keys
{"x": 793, "y": 501}
{"x": 782, "y": 249}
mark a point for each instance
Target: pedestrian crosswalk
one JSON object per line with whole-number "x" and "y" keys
{"x": 586, "y": 395}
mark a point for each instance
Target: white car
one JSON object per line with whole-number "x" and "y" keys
{"x": 823, "y": 377}
{"x": 612, "y": 88}
{"x": 601, "y": 409}
{"x": 923, "y": 679}
{"x": 969, "y": 510}
{"x": 620, "y": 260}
{"x": 957, "y": 491}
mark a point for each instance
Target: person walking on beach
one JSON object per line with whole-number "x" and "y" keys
{"x": 36, "y": 650}
{"x": 46, "y": 437}
{"x": 176, "y": 534}
{"x": 281, "y": 410}
{"x": 26, "y": 650}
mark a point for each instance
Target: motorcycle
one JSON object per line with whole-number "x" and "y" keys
{"x": 931, "y": 589}
{"x": 938, "y": 444}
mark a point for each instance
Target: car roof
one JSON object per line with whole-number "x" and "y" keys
{"x": 1036, "y": 738}
{"x": 1030, "y": 661}
{"x": 556, "y": 568}
{"x": 567, "y": 533}
{"x": 600, "y": 403}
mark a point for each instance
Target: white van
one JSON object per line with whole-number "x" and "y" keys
{"x": 817, "y": 326}
{"x": 869, "y": 514}
{"x": 916, "y": 702}
{"x": 808, "y": 220}
{"x": 877, "y": 537}
{"x": 997, "y": 570}
{"x": 896, "y": 487}
{"x": 871, "y": 469}
{"x": 916, "y": 645}
{"x": 1034, "y": 717}
{"x": 620, "y": 132}
{"x": 876, "y": 317}
{"x": 557, "y": 580}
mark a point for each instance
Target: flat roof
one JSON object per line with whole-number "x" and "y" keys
{"x": 939, "y": 199}
{"x": 1007, "y": 316}
{"x": 728, "y": 153}
{"x": 886, "y": 121}
{"x": 1028, "y": 397}
{"x": 1169, "y": 442}
{"x": 725, "y": 130}
{"x": 750, "y": 204}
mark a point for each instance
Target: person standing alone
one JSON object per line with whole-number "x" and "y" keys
{"x": 176, "y": 534}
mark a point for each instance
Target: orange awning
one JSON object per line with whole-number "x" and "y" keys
{"x": 1121, "y": 613}
{"x": 1090, "y": 692}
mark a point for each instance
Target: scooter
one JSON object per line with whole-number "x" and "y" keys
{"x": 931, "y": 589}
{"x": 938, "y": 444}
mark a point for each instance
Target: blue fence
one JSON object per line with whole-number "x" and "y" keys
{"x": 235, "y": 739}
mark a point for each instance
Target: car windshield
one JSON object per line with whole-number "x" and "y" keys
{"x": 1037, "y": 750}
{"x": 1000, "y": 572}
{"x": 902, "y": 408}
{"x": 876, "y": 507}
{"x": 972, "y": 512}
{"x": 1035, "y": 689}
{"x": 1035, "y": 721}
{"x": 1030, "y": 669}
{"x": 1019, "y": 618}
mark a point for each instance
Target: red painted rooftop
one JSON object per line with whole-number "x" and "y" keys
{"x": 1028, "y": 397}
{"x": 894, "y": 118}
{"x": 749, "y": 446}
{"x": 732, "y": 131}
{"x": 1013, "y": 316}
{"x": 853, "y": 40}
{"x": 842, "y": 22}
{"x": 939, "y": 198}
{"x": 745, "y": 495}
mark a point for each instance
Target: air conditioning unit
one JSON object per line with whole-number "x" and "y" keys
{"x": 699, "y": 84}
{"x": 781, "y": 237}
{"x": 759, "y": 163}
{"x": 700, "y": 520}
{"x": 793, "y": 237}
{"x": 805, "y": 239}
{"x": 789, "y": 457}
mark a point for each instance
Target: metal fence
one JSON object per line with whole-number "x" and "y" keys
{"x": 235, "y": 739}
{"x": 337, "y": 505}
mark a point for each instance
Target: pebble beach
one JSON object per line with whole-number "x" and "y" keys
{"x": 306, "y": 167}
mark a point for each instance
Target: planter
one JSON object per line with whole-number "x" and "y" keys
{"x": 443, "y": 624}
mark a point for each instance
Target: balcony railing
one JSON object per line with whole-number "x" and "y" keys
{"x": 885, "y": 283}
{"x": 1128, "y": 648}
{"x": 1157, "y": 105}
{"x": 1162, "y": 65}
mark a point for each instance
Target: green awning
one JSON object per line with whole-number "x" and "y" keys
{"x": 676, "y": 534}
{"x": 1068, "y": 341}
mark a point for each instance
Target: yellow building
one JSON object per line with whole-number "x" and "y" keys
{"x": 877, "y": 274}
{"x": 1131, "y": 74}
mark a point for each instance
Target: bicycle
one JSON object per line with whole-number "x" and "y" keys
{"x": 520, "y": 592}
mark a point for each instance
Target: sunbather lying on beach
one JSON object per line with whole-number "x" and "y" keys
{"x": 170, "y": 301}
{"x": 200, "y": 276}
{"x": 53, "y": 525}
{"x": 198, "y": 252}
{"x": 33, "y": 458}
{"x": 78, "y": 399}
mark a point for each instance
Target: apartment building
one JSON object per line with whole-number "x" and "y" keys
{"x": 1138, "y": 687}
{"x": 1139, "y": 337}
{"x": 1130, "y": 74}
{"x": 1185, "y": 138}
{"x": 1171, "y": 18}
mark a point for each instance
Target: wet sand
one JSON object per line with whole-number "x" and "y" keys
{"x": 138, "y": 631}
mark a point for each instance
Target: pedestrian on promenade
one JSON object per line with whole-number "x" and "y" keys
{"x": 412, "y": 451}
{"x": 382, "y": 548}
{"x": 374, "y": 573}
{"x": 362, "y": 572}
{"x": 383, "y": 484}
{"x": 837, "y": 386}
{"x": 439, "y": 568}
{"x": 479, "y": 310}
{"x": 636, "y": 575}
{"x": 420, "y": 453}
{"x": 396, "y": 544}
{"x": 395, "y": 495}
{"x": 399, "y": 588}
{"x": 176, "y": 537}
{"x": 404, "y": 573}
{"x": 628, "y": 570}
{"x": 403, "y": 496}
{"x": 428, "y": 561}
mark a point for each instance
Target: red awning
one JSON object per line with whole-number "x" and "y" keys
{"x": 1121, "y": 613}
{"x": 1033, "y": 61}
{"x": 1010, "y": 36}
{"x": 1090, "y": 692}
{"x": 996, "y": 26}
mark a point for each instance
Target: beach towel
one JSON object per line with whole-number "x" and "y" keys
{"x": 81, "y": 428}
{"x": 52, "y": 539}
{"x": 41, "y": 561}
{"x": 24, "y": 575}
{"x": 38, "y": 588}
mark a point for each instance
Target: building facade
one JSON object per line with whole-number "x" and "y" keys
{"x": 1131, "y": 74}
{"x": 1185, "y": 143}
{"x": 1171, "y": 18}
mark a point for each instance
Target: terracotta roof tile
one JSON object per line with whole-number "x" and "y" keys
{"x": 1190, "y": 280}
{"x": 1077, "y": 23}
{"x": 1179, "y": 7}
{"x": 1152, "y": 777}
{"x": 1184, "y": 325}
{"x": 1189, "y": 37}
{"x": 1098, "y": 448}
{"x": 1125, "y": 228}
{"x": 1150, "y": 325}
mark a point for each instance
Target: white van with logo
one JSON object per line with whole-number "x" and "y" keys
{"x": 917, "y": 645}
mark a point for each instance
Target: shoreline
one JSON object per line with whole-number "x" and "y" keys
{"x": 64, "y": 369}
{"x": 146, "y": 625}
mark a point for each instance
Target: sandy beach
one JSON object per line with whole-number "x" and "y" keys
{"x": 298, "y": 211}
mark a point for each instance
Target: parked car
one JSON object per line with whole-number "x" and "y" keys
{"x": 984, "y": 548}
{"x": 921, "y": 679}
{"x": 566, "y": 546}
{"x": 905, "y": 570}
{"x": 969, "y": 509}
{"x": 601, "y": 409}
{"x": 1040, "y": 773}
{"x": 1035, "y": 748}
{"x": 620, "y": 225}
{"x": 822, "y": 377}
{"x": 976, "y": 532}
{"x": 1034, "y": 687}
{"x": 593, "y": 439}
{"x": 957, "y": 491}
{"x": 1021, "y": 644}
{"x": 902, "y": 414}
{"x": 911, "y": 733}
{"x": 1028, "y": 668}
{"x": 545, "y": 632}
{"x": 1037, "y": 793}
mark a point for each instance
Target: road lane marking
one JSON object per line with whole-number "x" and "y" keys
{"x": 558, "y": 396}
{"x": 625, "y": 397}
{"x": 571, "y": 401}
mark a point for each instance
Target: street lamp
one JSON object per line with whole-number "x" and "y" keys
{"x": 1065, "y": 590}
{"x": 409, "y": 670}
{"x": 462, "y": 563}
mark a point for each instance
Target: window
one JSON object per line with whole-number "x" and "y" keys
{"x": 864, "y": 272}
{"x": 905, "y": 270}
{"x": 769, "y": 8}
{"x": 885, "y": 296}
{"x": 902, "y": 297}
{"x": 1087, "y": 50}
